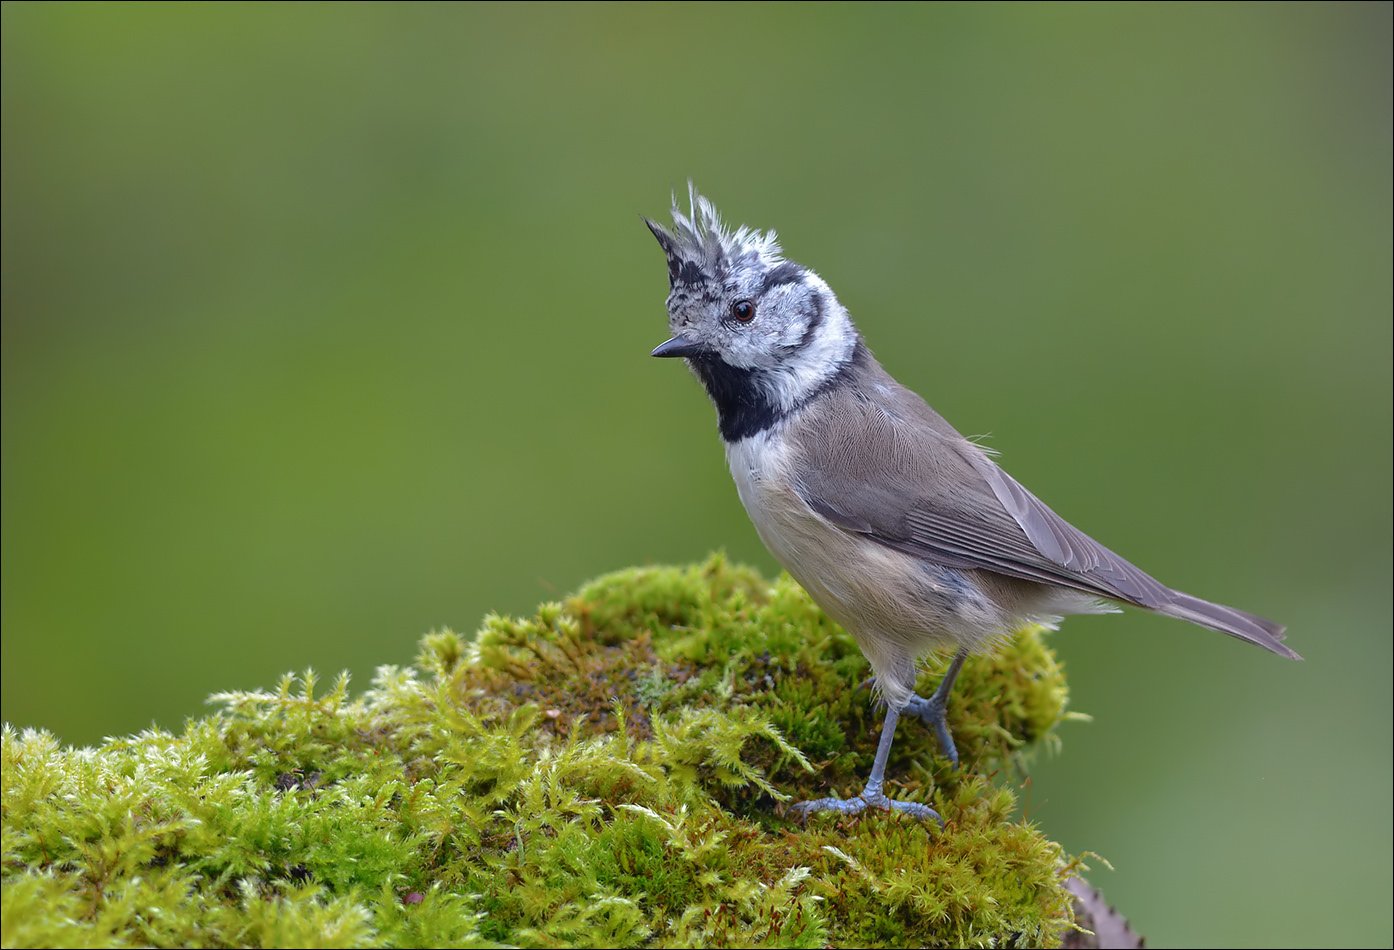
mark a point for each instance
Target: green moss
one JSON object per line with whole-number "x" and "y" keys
{"x": 609, "y": 772}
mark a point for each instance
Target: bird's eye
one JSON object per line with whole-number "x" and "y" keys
{"x": 743, "y": 311}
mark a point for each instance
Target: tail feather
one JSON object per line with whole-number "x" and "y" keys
{"x": 1237, "y": 623}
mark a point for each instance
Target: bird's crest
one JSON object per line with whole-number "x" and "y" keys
{"x": 701, "y": 248}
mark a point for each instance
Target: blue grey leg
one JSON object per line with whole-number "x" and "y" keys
{"x": 872, "y": 795}
{"x": 931, "y": 711}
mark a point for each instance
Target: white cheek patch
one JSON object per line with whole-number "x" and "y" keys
{"x": 798, "y": 372}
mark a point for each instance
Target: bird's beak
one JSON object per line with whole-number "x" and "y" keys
{"x": 679, "y": 346}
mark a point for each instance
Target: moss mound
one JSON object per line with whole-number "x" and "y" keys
{"x": 609, "y": 772}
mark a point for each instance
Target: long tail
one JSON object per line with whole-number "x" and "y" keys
{"x": 1237, "y": 623}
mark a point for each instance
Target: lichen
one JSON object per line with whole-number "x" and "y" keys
{"x": 612, "y": 771}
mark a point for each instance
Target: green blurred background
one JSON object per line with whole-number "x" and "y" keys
{"x": 327, "y": 325}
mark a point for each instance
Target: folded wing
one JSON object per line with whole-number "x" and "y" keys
{"x": 895, "y": 472}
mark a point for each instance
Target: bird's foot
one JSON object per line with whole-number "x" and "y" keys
{"x": 867, "y": 799}
{"x": 931, "y": 713}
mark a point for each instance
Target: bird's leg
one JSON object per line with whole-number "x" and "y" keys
{"x": 872, "y": 795}
{"x": 931, "y": 711}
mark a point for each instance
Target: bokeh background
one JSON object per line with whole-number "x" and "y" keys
{"x": 324, "y": 326}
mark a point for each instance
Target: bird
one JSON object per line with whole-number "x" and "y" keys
{"x": 902, "y": 530}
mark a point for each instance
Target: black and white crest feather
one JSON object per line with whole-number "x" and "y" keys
{"x": 701, "y": 248}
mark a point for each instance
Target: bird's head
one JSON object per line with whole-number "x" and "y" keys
{"x": 741, "y": 314}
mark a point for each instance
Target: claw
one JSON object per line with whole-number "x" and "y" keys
{"x": 867, "y": 799}
{"x": 932, "y": 713}
{"x": 871, "y": 796}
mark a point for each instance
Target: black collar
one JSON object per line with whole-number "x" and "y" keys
{"x": 743, "y": 404}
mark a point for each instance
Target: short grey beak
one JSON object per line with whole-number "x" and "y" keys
{"x": 678, "y": 346}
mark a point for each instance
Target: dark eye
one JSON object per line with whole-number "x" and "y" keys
{"x": 743, "y": 310}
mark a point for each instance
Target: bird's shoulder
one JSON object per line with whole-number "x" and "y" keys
{"x": 873, "y": 431}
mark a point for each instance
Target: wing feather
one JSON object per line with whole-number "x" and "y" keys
{"x": 875, "y": 460}
{"x": 901, "y": 476}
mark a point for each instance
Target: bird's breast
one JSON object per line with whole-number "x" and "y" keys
{"x": 762, "y": 470}
{"x": 815, "y": 551}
